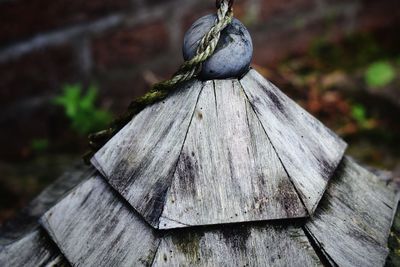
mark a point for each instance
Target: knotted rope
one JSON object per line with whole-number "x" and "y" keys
{"x": 188, "y": 70}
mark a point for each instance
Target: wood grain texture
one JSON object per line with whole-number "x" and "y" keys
{"x": 140, "y": 160}
{"x": 353, "y": 221}
{"x": 228, "y": 171}
{"x": 34, "y": 249}
{"x": 309, "y": 151}
{"x": 22, "y": 241}
{"x": 237, "y": 246}
{"x": 26, "y": 221}
{"x": 94, "y": 226}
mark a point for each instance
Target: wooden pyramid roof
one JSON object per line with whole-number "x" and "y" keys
{"x": 235, "y": 129}
{"x": 221, "y": 151}
{"x": 94, "y": 226}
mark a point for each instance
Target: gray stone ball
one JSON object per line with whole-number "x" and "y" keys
{"x": 233, "y": 54}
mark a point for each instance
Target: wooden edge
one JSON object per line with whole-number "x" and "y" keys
{"x": 34, "y": 249}
{"x": 27, "y": 220}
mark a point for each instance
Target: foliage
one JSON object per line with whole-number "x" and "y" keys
{"x": 353, "y": 52}
{"x": 380, "y": 74}
{"x": 359, "y": 114}
{"x": 39, "y": 145}
{"x": 80, "y": 108}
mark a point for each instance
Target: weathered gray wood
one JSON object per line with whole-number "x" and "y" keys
{"x": 22, "y": 241}
{"x": 393, "y": 259}
{"x": 34, "y": 249}
{"x": 309, "y": 151}
{"x": 228, "y": 171}
{"x": 352, "y": 222}
{"x": 140, "y": 160}
{"x": 94, "y": 226}
{"x": 237, "y": 246}
{"x": 27, "y": 220}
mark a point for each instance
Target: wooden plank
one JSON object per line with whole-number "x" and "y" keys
{"x": 353, "y": 221}
{"x": 22, "y": 241}
{"x": 237, "y": 246}
{"x": 309, "y": 151}
{"x": 26, "y": 221}
{"x": 34, "y": 249}
{"x": 94, "y": 226}
{"x": 228, "y": 171}
{"x": 139, "y": 161}
{"x": 393, "y": 259}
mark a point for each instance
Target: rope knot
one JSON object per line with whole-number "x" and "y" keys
{"x": 159, "y": 91}
{"x": 206, "y": 48}
{"x": 230, "y": 3}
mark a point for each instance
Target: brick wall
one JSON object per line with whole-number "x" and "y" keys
{"x": 126, "y": 45}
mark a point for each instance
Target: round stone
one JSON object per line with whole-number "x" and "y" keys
{"x": 232, "y": 55}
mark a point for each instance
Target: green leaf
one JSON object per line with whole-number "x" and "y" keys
{"x": 359, "y": 113}
{"x": 380, "y": 74}
{"x": 81, "y": 109}
{"x": 39, "y": 145}
{"x": 89, "y": 99}
{"x": 70, "y": 99}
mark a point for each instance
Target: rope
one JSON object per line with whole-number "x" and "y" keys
{"x": 188, "y": 70}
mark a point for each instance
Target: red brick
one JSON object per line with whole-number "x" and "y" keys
{"x": 37, "y": 74}
{"x": 18, "y": 129}
{"x": 119, "y": 87}
{"x": 271, "y": 47}
{"x": 379, "y": 14}
{"x": 25, "y": 18}
{"x": 194, "y": 15}
{"x": 130, "y": 46}
{"x": 154, "y": 2}
{"x": 239, "y": 10}
{"x": 274, "y": 8}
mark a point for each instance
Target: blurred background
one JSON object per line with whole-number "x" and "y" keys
{"x": 68, "y": 67}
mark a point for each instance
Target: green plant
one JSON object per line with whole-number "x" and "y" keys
{"x": 359, "y": 114}
{"x": 379, "y": 74}
{"x": 39, "y": 145}
{"x": 80, "y": 108}
{"x": 353, "y": 52}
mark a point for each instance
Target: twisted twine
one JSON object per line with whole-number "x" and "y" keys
{"x": 188, "y": 70}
